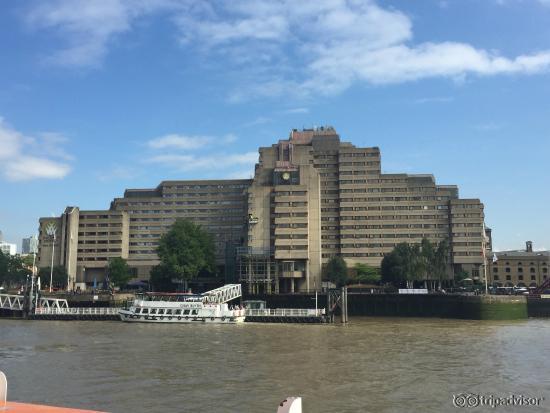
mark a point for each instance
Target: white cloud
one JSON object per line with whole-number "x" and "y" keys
{"x": 244, "y": 174}
{"x": 260, "y": 120}
{"x": 285, "y": 48}
{"x": 435, "y": 99}
{"x": 25, "y": 158}
{"x": 230, "y": 138}
{"x": 30, "y": 167}
{"x": 295, "y": 111}
{"x": 89, "y": 26}
{"x": 118, "y": 172}
{"x": 189, "y": 162}
{"x": 186, "y": 153}
{"x": 176, "y": 141}
{"x": 345, "y": 42}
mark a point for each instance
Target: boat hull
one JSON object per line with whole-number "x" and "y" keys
{"x": 130, "y": 317}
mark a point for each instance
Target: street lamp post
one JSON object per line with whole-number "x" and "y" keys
{"x": 51, "y": 230}
{"x": 33, "y": 246}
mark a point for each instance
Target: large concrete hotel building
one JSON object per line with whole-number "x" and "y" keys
{"x": 312, "y": 197}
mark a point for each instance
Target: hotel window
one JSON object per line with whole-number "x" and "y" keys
{"x": 520, "y": 277}
{"x": 508, "y": 277}
{"x": 496, "y": 277}
{"x": 532, "y": 270}
{"x": 533, "y": 278}
{"x": 507, "y": 269}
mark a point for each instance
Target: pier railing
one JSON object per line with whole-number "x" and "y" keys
{"x": 78, "y": 311}
{"x": 285, "y": 312}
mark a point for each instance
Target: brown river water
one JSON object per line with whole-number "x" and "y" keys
{"x": 370, "y": 365}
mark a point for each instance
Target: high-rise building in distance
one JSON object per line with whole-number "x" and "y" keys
{"x": 312, "y": 197}
{"x": 27, "y": 245}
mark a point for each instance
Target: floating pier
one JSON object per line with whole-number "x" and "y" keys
{"x": 86, "y": 313}
{"x": 286, "y": 315}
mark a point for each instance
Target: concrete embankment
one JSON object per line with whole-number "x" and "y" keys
{"x": 431, "y": 305}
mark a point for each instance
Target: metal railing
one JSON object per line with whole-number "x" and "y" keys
{"x": 285, "y": 312}
{"x": 78, "y": 311}
{"x": 223, "y": 294}
{"x": 12, "y": 302}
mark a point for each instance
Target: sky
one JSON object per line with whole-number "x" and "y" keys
{"x": 100, "y": 96}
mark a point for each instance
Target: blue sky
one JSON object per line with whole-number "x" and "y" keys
{"x": 100, "y": 96}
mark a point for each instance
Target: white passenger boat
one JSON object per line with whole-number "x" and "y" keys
{"x": 210, "y": 307}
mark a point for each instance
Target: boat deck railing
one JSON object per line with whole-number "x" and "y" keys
{"x": 285, "y": 312}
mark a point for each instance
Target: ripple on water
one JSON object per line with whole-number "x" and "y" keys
{"x": 373, "y": 364}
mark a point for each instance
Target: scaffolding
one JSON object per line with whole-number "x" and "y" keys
{"x": 257, "y": 269}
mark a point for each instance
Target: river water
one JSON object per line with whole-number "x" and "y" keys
{"x": 370, "y": 365}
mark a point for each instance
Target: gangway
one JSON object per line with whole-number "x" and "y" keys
{"x": 16, "y": 302}
{"x": 223, "y": 294}
{"x": 56, "y": 303}
{"x": 542, "y": 288}
{"x": 12, "y": 302}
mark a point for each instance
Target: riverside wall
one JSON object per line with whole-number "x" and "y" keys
{"x": 430, "y": 305}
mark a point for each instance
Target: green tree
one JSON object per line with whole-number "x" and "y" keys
{"x": 336, "y": 271}
{"x": 28, "y": 260}
{"x": 59, "y": 279}
{"x": 416, "y": 266}
{"x": 404, "y": 265}
{"x": 119, "y": 272}
{"x": 161, "y": 278}
{"x": 15, "y": 273}
{"x": 428, "y": 255}
{"x": 4, "y": 260}
{"x": 185, "y": 251}
{"x": 366, "y": 274}
{"x": 461, "y": 276}
{"x": 436, "y": 257}
{"x": 441, "y": 261}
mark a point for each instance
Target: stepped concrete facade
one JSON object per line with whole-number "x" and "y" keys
{"x": 312, "y": 197}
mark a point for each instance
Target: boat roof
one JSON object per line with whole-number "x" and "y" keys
{"x": 172, "y": 294}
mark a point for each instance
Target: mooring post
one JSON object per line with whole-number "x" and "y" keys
{"x": 329, "y": 312}
{"x": 344, "y": 304}
{"x": 347, "y": 318}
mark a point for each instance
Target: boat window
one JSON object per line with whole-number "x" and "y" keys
{"x": 138, "y": 311}
{"x": 169, "y": 311}
{"x": 153, "y": 311}
{"x": 144, "y": 311}
{"x": 161, "y": 310}
{"x": 178, "y": 312}
{"x": 185, "y": 312}
{"x": 194, "y": 312}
